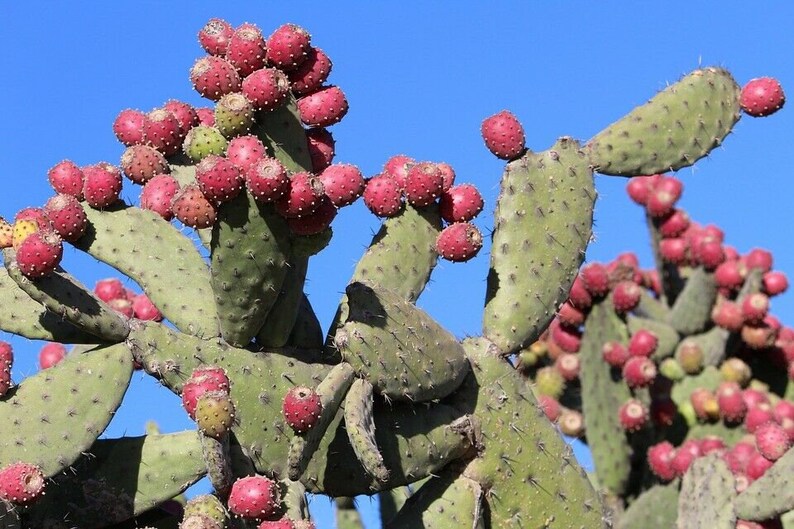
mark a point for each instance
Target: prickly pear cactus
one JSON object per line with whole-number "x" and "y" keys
{"x": 235, "y": 201}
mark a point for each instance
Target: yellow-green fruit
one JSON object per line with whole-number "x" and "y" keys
{"x": 549, "y": 381}
{"x": 215, "y": 413}
{"x": 690, "y": 357}
{"x": 736, "y": 370}
{"x": 21, "y": 230}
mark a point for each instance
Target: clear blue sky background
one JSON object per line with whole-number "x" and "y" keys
{"x": 420, "y": 77}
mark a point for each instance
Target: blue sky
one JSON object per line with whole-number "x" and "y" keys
{"x": 420, "y": 77}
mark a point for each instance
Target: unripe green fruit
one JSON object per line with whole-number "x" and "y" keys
{"x": 202, "y": 141}
{"x": 215, "y": 413}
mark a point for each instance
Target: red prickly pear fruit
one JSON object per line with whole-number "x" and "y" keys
{"x": 774, "y": 283}
{"x": 460, "y": 203}
{"x": 302, "y": 197}
{"x": 759, "y": 258}
{"x": 755, "y": 307}
{"x": 503, "y": 135}
{"x": 158, "y": 193}
{"x": 218, "y": 178}
{"x": 140, "y": 163}
{"x": 730, "y": 274}
{"x": 128, "y": 127}
{"x": 639, "y": 371}
{"x": 626, "y": 296}
{"x": 689, "y": 355}
{"x": 26, "y": 222}
{"x": 40, "y": 254}
{"x": 570, "y": 315}
{"x": 144, "y": 309}
{"x": 615, "y": 353}
{"x": 757, "y": 466}
{"x": 311, "y": 73}
{"x": 215, "y": 374}
{"x": 65, "y": 177}
{"x": 643, "y": 343}
{"x": 633, "y": 415}
{"x": 21, "y": 483}
{"x": 6, "y": 360}
{"x": 397, "y": 167}
{"x": 244, "y": 151}
{"x": 459, "y": 242}
{"x": 163, "y": 131}
{"x": 447, "y": 174}
{"x": 284, "y": 523}
{"x": 321, "y": 147}
{"x": 684, "y": 456}
{"x": 122, "y": 306}
{"x": 215, "y": 35}
{"x": 206, "y": 116}
{"x": 595, "y": 278}
{"x": 423, "y": 184}
{"x": 109, "y": 289}
{"x": 568, "y": 365}
{"x": 67, "y": 216}
{"x": 192, "y": 208}
{"x": 301, "y": 408}
{"x": 185, "y": 115}
{"x": 705, "y": 404}
{"x": 660, "y": 203}
{"x": 550, "y": 407}
{"x": 783, "y": 409}
{"x": 343, "y": 183}
{"x": 382, "y": 195}
{"x": 568, "y": 338}
{"x": 712, "y": 443}
{"x": 579, "y": 296}
{"x": 324, "y": 107}
{"x": 660, "y": 459}
{"x": 214, "y": 413}
{"x": 203, "y": 380}
{"x": 315, "y": 222}
{"x": 761, "y": 97}
{"x": 266, "y": 89}
{"x": 639, "y": 187}
{"x": 772, "y": 440}
{"x": 102, "y": 186}
{"x": 288, "y": 47}
{"x": 673, "y": 250}
{"x": 708, "y": 252}
{"x": 246, "y": 49}
{"x": 213, "y": 77}
{"x": 571, "y": 423}
{"x": 673, "y": 224}
{"x": 267, "y": 180}
{"x": 731, "y": 403}
{"x": 738, "y": 456}
{"x": 254, "y": 497}
{"x": 758, "y": 415}
{"x": 51, "y": 354}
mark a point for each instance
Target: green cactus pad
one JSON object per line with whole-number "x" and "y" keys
{"x": 707, "y": 495}
{"x": 398, "y": 347}
{"x": 667, "y": 336}
{"x": 282, "y": 133}
{"x": 250, "y": 248}
{"x": 307, "y": 333}
{"x": 651, "y": 308}
{"x": 677, "y": 127}
{"x": 770, "y": 495}
{"x": 347, "y": 516}
{"x": 68, "y": 299}
{"x": 120, "y": 478}
{"x": 543, "y": 222}
{"x": 55, "y": 415}
{"x": 530, "y": 474}
{"x": 602, "y": 396}
{"x": 217, "y": 462}
{"x": 708, "y": 379}
{"x": 280, "y": 322}
{"x": 165, "y": 263}
{"x": 656, "y": 508}
{"x": 712, "y": 343}
{"x": 447, "y": 501}
{"x": 360, "y": 426}
{"x": 24, "y": 316}
{"x": 691, "y": 312}
{"x": 391, "y": 501}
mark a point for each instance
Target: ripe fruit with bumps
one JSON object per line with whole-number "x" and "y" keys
{"x": 382, "y": 195}
{"x": 21, "y": 483}
{"x": 214, "y": 413}
{"x": 288, "y": 46}
{"x": 102, "y": 186}
{"x": 503, "y": 135}
{"x": 342, "y": 183}
{"x": 246, "y": 49}
{"x": 633, "y": 415}
{"x": 423, "y": 184}
{"x": 40, "y": 254}
{"x": 761, "y": 97}
{"x": 65, "y": 177}
{"x": 254, "y": 497}
{"x": 213, "y": 77}
{"x": 301, "y": 408}
{"x": 140, "y": 163}
{"x": 218, "y": 178}
{"x": 266, "y": 89}
{"x": 67, "y": 217}
{"x": 459, "y": 242}
{"x": 214, "y": 36}
{"x": 267, "y": 180}
{"x": 192, "y": 208}
{"x": 311, "y": 73}
{"x": 51, "y": 354}
{"x": 128, "y": 127}
{"x": 158, "y": 194}
{"x": 460, "y": 203}
{"x": 324, "y": 107}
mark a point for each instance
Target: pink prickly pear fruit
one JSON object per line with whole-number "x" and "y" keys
{"x": 302, "y": 197}
{"x": 728, "y": 315}
{"x": 757, "y": 466}
{"x": 218, "y": 178}
{"x": 639, "y": 371}
{"x": 459, "y": 242}
{"x": 288, "y": 47}
{"x": 267, "y": 180}
{"x": 254, "y": 497}
{"x": 762, "y": 97}
{"x": 246, "y": 49}
{"x": 755, "y": 307}
{"x": 615, "y": 354}
{"x": 301, "y": 408}
{"x": 215, "y": 413}
{"x": 185, "y": 115}
{"x": 206, "y": 116}
{"x": 315, "y": 222}
{"x": 660, "y": 459}
{"x": 321, "y": 147}
{"x": 550, "y": 407}
{"x": 626, "y": 296}
{"x": 460, "y": 203}
{"x": 215, "y": 35}
{"x": 311, "y": 73}
{"x": 568, "y": 338}
{"x": 447, "y": 174}
{"x": 102, "y": 187}
{"x": 67, "y": 178}
{"x": 708, "y": 252}
{"x": 158, "y": 193}
{"x": 640, "y": 187}
{"x": 731, "y": 404}
{"x": 123, "y": 306}
{"x": 705, "y": 404}
{"x": 570, "y": 315}
{"x": 774, "y": 283}
{"x": 67, "y": 216}
{"x": 213, "y": 77}
{"x": 758, "y": 415}
{"x": 739, "y": 456}
{"x": 163, "y": 131}
{"x": 6, "y": 360}
{"x": 284, "y": 523}
{"x": 244, "y": 151}
{"x": 423, "y": 184}
{"x": 324, "y": 107}
{"x": 192, "y": 208}
{"x": 662, "y": 198}
{"x": 128, "y": 127}
{"x": 759, "y": 258}
{"x": 712, "y": 443}
{"x": 674, "y": 250}
{"x": 397, "y": 167}
{"x": 568, "y": 365}
{"x": 21, "y": 483}
{"x": 109, "y": 289}
{"x": 343, "y": 183}
{"x": 201, "y": 381}
{"x": 503, "y": 135}
{"x": 51, "y": 354}
{"x": 140, "y": 163}
{"x": 383, "y": 196}
{"x": 684, "y": 456}
{"x": 26, "y": 222}
{"x": 579, "y": 295}
{"x": 144, "y": 309}
{"x": 643, "y": 343}
{"x": 730, "y": 274}
{"x": 673, "y": 224}
{"x": 266, "y": 89}
{"x": 783, "y": 409}
{"x": 772, "y": 440}
{"x": 596, "y": 279}
{"x": 633, "y": 415}
{"x": 40, "y": 254}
